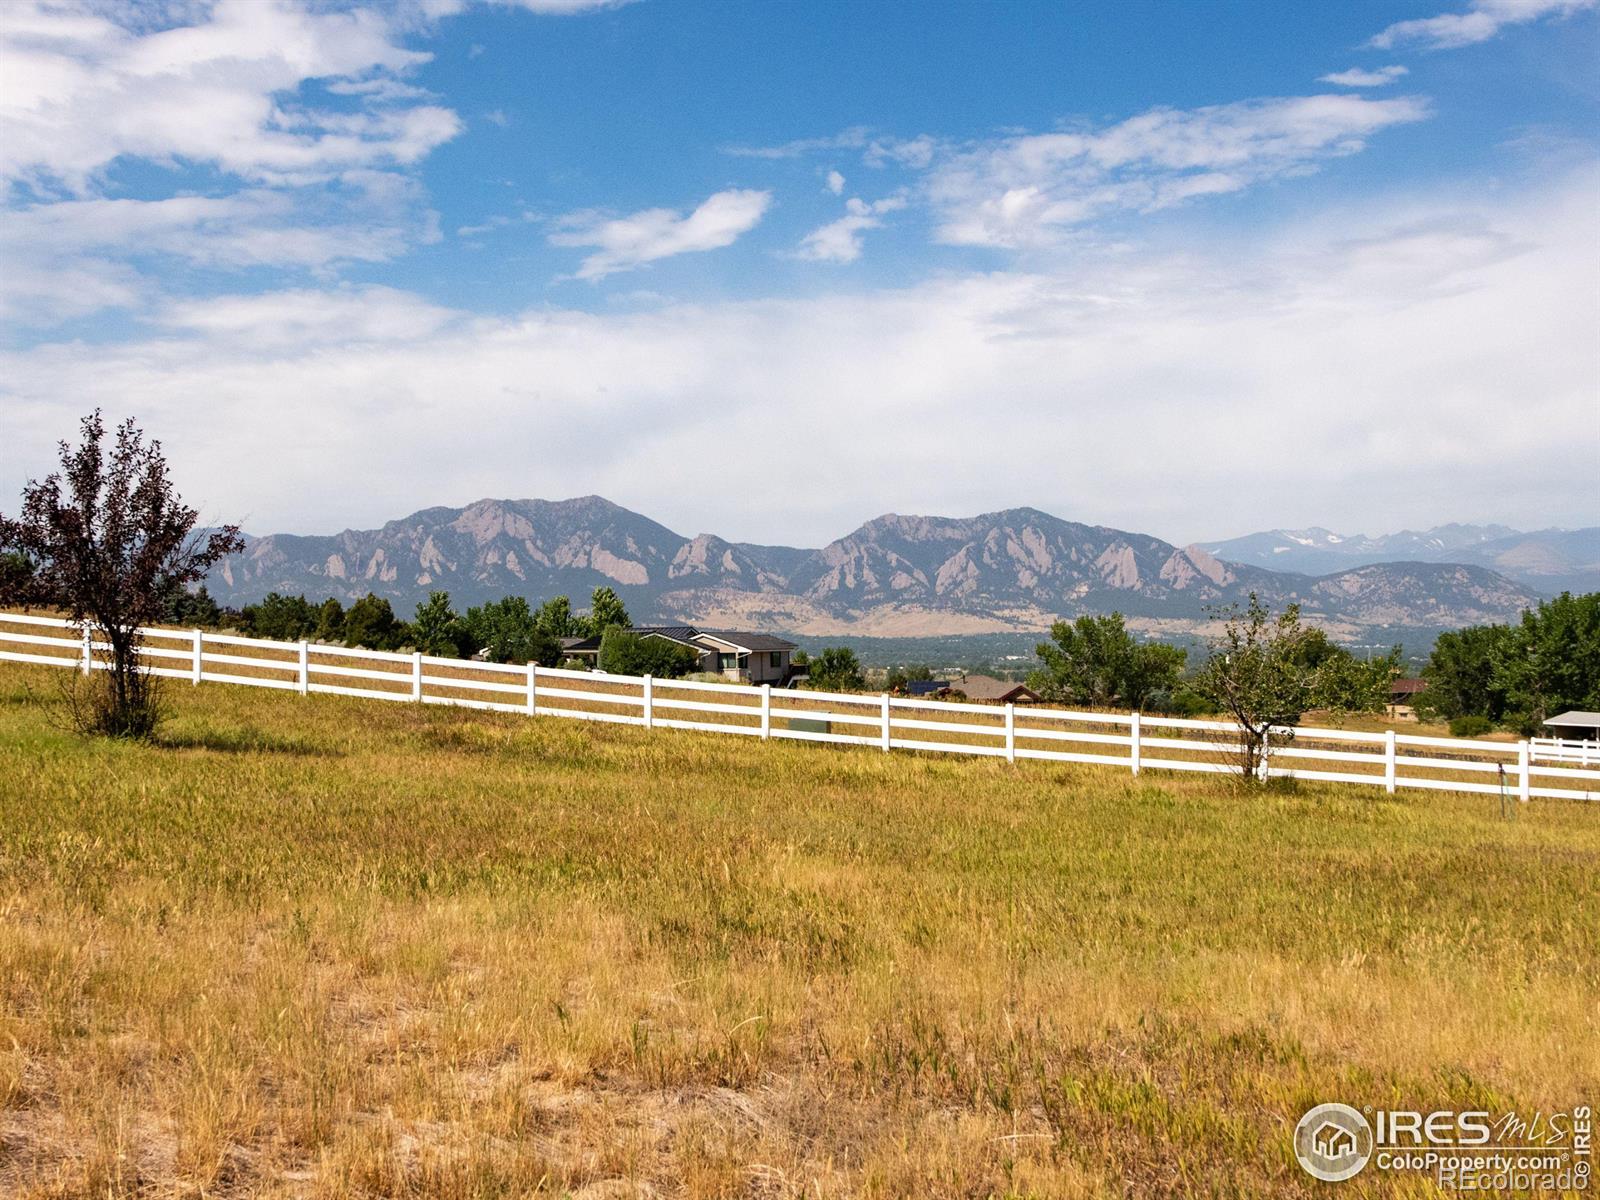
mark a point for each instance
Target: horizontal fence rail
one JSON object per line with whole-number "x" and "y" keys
{"x": 1132, "y": 742}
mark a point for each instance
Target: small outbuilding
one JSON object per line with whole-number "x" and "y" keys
{"x": 1575, "y": 726}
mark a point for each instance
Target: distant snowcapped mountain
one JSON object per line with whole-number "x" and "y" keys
{"x": 895, "y": 575}
{"x": 1549, "y": 560}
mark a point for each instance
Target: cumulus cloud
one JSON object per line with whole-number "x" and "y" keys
{"x": 258, "y": 173}
{"x": 1483, "y": 20}
{"x": 1024, "y": 190}
{"x": 623, "y": 243}
{"x": 1357, "y": 77}
{"x": 836, "y": 183}
{"x": 1290, "y": 379}
{"x": 840, "y": 241}
{"x": 80, "y": 91}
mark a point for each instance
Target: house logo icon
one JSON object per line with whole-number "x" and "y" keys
{"x": 1333, "y": 1142}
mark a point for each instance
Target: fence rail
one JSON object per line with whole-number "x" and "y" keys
{"x": 1134, "y": 742}
{"x": 1565, "y": 750}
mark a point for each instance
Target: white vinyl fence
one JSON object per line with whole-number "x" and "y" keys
{"x": 1129, "y": 741}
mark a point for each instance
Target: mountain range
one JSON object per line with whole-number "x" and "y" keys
{"x": 1018, "y": 569}
{"x": 1547, "y": 560}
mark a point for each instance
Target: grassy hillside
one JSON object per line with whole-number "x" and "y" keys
{"x": 325, "y": 947}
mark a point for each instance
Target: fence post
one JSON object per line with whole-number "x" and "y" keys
{"x": 766, "y": 711}
{"x": 1011, "y": 732}
{"x": 416, "y": 676}
{"x": 533, "y": 689}
{"x": 649, "y": 702}
{"x": 1134, "y": 748}
{"x": 1262, "y": 768}
{"x": 1524, "y": 773}
{"x": 1389, "y": 764}
{"x": 884, "y": 742}
{"x": 199, "y": 662}
{"x": 88, "y": 649}
{"x": 305, "y": 668}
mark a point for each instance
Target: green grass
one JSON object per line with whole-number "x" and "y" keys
{"x": 330, "y": 947}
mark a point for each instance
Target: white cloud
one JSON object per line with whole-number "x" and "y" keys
{"x": 840, "y": 241}
{"x": 221, "y": 87}
{"x": 836, "y": 183}
{"x": 854, "y": 138}
{"x": 916, "y": 153}
{"x": 1356, "y": 371}
{"x": 623, "y": 243}
{"x": 1482, "y": 20}
{"x": 1358, "y": 77}
{"x": 1025, "y": 190}
{"x": 435, "y": 9}
{"x": 308, "y": 317}
{"x": 80, "y": 91}
{"x": 67, "y": 258}
{"x": 876, "y": 151}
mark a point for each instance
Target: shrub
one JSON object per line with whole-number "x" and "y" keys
{"x": 1472, "y": 726}
{"x": 836, "y": 669}
{"x": 624, "y": 653}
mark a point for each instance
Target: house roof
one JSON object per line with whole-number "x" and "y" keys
{"x": 673, "y": 633}
{"x": 987, "y": 687}
{"x": 748, "y": 641}
{"x": 1577, "y": 718}
{"x": 1407, "y": 687}
{"x": 688, "y": 635}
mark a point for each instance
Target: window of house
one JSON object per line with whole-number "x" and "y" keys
{"x": 726, "y": 662}
{"x": 775, "y": 659}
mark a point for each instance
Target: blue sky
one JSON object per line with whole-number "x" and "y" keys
{"x": 769, "y": 270}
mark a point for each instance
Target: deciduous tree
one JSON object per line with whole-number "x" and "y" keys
{"x": 109, "y": 540}
{"x": 1095, "y": 661}
{"x": 1257, "y": 676}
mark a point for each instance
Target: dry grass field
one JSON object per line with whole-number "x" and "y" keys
{"x": 326, "y": 947}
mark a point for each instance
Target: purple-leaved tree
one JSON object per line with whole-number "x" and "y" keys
{"x": 108, "y": 540}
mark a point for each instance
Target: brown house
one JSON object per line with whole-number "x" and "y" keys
{"x": 993, "y": 691}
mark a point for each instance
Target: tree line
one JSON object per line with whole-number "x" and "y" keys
{"x": 1095, "y": 662}
{"x": 504, "y": 630}
{"x": 1517, "y": 675}
{"x": 508, "y": 630}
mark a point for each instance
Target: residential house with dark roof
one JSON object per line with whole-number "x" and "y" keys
{"x": 734, "y": 654}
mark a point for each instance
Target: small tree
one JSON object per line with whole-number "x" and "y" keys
{"x": 556, "y": 618}
{"x": 837, "y": 669}
{"x": 280, "y": 618}
{"x": 437, "y": 629}
{"x": 1343, "y": 683}
{"x": 606, "y": 611}
{"x": 330, "y": 621}
{"x": 1257, "y": 675}
{"x": 192, "y": 609}
{"x": 109, "y": 540}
